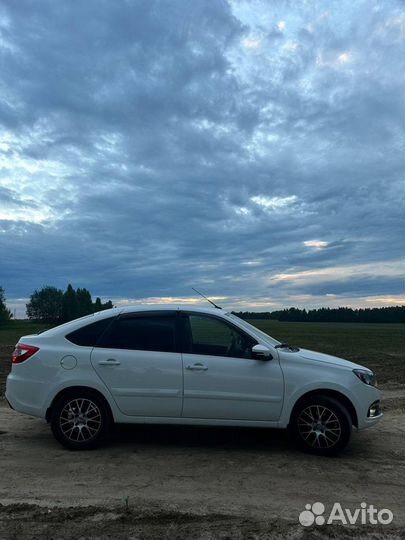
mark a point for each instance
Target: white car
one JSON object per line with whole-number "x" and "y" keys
{"x": 185, "y": 365}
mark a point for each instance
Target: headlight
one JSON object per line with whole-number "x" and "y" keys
{"x": 365, "y": 376}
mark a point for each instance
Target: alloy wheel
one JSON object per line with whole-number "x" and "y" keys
{"x": 80, "y": 420}
{"x": 319, "y": 427}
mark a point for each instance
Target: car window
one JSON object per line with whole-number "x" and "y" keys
{"x": 254, "y": 329}
{"x": 145, "y": 333}
{"x": 88, "y": 335}
{"x": 215, "y": 337}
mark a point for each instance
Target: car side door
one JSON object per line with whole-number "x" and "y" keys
{"x": 138, "y": 360}
{"x": 222, "y": 379}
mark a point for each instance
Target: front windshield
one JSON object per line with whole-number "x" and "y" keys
{"x": 252, "y": 328}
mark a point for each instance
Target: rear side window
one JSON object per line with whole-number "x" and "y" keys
{"x": 154, "y": 333}
{"x": 87, "y": 336}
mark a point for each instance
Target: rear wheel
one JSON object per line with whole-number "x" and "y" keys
{"x": 321, "y": 425}
{"x": 81, "y": 420}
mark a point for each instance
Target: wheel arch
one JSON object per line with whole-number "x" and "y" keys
{"x": 69, "y": 389}
{"x": 344, "y": 400}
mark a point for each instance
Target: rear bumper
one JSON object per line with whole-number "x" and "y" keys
{"x": 8, "y": 403}
{"x": 25, "y": 396}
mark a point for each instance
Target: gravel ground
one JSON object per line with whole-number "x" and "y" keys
{"x": 185, "y": 482}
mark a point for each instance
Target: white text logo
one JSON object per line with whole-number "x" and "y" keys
{"x": 314, "y": 514}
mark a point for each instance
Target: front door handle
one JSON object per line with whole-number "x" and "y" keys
{"x": 109, "y": 362}
{"x": 197, "y": 367}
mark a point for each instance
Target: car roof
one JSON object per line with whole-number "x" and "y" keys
{"x": 87, "y": 319}
{"x": 169, "y": 307}
{"x": 65, "y": 328}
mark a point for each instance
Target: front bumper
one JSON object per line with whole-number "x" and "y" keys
{"x": 374, "y": 410}
{"x": 368, "y": 407}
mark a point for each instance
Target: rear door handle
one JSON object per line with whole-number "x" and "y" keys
{"x": 109, "y": 362}
{"x": 197, "y": 367}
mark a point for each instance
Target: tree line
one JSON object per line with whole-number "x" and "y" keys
{"x": 52, "y": 305}
{"x": 394, "y": 314}
{"x": 5, "y": 313}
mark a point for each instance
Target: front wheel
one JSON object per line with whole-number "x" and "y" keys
{"x": 81, "y": 420}
{"x": 321, "y": 425}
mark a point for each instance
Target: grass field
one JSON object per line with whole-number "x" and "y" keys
{"x": 378, "y": 346}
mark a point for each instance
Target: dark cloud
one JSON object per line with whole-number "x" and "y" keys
{"x": 154, "y": 146}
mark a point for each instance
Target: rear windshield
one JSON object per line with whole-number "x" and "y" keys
{"x": 87, "y": 336}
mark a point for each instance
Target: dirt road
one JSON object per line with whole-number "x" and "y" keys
{"x": 173, "y": 482}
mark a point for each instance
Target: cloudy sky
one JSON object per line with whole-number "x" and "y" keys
{"x": 254, "y": 150}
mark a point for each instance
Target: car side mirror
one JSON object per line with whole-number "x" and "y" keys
{"x": 261, "y": 352}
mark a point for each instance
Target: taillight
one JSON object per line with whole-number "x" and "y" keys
{"x": 23, "y": 352}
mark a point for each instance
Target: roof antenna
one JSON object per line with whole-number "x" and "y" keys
{"x": 208, "y": 300}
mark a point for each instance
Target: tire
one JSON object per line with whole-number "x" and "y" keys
{"x": 81, "y": 420}
{"x": 321, "y": 425}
